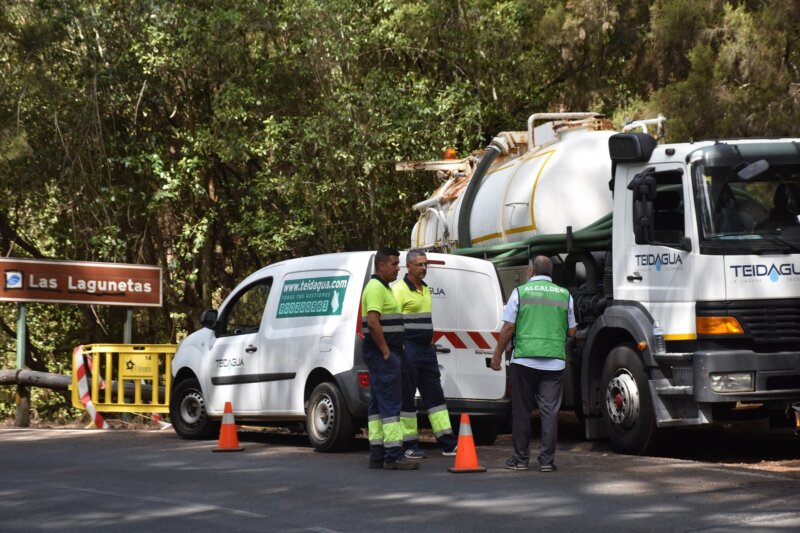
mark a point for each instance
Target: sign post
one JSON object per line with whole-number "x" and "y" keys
{"x": 22, "y": 414}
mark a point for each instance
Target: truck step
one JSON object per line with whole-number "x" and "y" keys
{"x": 675, "y": 390}
{"x": 673, "y": 357}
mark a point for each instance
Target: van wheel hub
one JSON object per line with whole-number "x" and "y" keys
{"x": 192, "y": 408}
{"x": 323, "y": 416}
{"x": 622, "y": 399}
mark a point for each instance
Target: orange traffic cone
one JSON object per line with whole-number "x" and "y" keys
{"x": 228, "y": 441}
{"x": 466, "y": 456}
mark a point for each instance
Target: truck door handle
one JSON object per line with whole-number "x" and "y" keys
{"x": 635, "y": 277}
{"x": 441, "y": 349}
{"x": 250, "y": 349}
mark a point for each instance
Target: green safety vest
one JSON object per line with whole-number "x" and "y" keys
{"x": 541, "y": 327}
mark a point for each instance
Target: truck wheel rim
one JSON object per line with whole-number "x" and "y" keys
{"x": 322, "y": 417}
{"x": 622, "y": 399}
{"x": 192, "y": 408}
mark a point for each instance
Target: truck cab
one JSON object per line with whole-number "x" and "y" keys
{"x": 706, "y": 239}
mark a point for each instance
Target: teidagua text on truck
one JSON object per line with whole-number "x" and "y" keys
{"x": 683, "y": 261}
{"x": 285, "y": 348}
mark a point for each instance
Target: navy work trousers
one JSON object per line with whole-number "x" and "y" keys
{"x": 386, "y": 397}
{"x": 421, "y": 371}
{"x": 543, "y": 387}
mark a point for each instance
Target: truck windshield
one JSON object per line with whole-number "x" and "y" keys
{"x": 748, "y": 197}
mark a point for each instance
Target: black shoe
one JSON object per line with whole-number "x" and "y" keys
{"x": 548, "y": 468}
{"x": 451, "y": 453}
{"x": 400, "y": 464}
{"x": 515, "y": 464}
{"x": 374, "y": 463}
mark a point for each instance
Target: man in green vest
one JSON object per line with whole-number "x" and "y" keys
{"x": 540, "y": 316}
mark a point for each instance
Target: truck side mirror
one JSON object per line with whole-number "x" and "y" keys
{"x": 209, "y": 318}
{"x": 643, "y": 186}
{"x": 631, "y": 147}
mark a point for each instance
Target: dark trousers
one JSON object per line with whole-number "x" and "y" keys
{"x": 386, "y": 400}
{"x": 421, "y": 371}
{"x": 543, "y": 388}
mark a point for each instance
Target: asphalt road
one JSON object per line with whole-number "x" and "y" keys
{"x": 79, "y": 480}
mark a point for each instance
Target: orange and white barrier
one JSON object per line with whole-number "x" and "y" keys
{"x": 79, "y": 364}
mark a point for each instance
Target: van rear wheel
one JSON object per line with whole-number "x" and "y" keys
{"x": 328, "y": 423}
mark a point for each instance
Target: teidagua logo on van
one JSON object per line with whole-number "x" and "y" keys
{"x": 759, "y": 270}
{"x": 659, "y": 260}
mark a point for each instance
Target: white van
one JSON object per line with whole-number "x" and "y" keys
{"x": 285, "y": 347}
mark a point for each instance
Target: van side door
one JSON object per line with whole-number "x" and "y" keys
{"x": 232, "y": 362}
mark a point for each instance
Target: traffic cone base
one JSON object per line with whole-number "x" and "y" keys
{"x": 228, "y": 440}
{"x": 466, "y": 456}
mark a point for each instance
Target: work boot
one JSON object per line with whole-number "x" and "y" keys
{"x": 400, "y": 464}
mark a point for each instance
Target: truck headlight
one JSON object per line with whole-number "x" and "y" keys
{"x": 732, "y": 382}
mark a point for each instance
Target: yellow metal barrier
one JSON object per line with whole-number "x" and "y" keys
{"x": 125, "y": 378}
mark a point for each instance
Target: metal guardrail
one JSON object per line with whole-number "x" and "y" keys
{"x": 123, "y": 378}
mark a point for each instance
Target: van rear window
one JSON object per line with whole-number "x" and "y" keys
{"x": 464, "y": 300}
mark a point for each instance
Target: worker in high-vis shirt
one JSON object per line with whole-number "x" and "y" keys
{"x": 382, "y": 328}
{"x": 540, "y": 316}
{"x": 420, "y": 368}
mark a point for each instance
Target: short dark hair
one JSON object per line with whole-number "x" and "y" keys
{"x": 383, "y": 254}
{"x": 413, "y": 254}
{"x": 542, "y": 266}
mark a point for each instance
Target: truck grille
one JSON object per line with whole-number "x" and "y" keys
{"x": 774, "y": 321}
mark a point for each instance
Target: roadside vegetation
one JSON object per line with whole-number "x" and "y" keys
{"x": 213, "y": 138}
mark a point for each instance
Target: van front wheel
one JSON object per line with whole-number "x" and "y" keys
{"x": 187, "y": 411}
{"x": 328, "y": 423}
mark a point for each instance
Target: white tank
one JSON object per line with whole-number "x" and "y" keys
{"x": 559, "y": 180}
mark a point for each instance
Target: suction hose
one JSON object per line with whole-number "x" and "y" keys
{"x": 496, "y": 147}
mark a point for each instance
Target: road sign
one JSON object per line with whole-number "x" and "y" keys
{"x": 80, "y": 282}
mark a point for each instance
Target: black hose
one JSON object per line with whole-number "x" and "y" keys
{"x": 464, "y": 236}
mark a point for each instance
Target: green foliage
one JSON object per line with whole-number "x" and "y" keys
{"x": 212, "y": 138}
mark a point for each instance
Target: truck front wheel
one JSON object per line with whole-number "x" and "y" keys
{"x": 187, "y": 411}
{"x": 328, "y": 423}
{"x": 628, "y": 408}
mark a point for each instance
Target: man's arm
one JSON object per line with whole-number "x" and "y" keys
{"x": 506, "y": 332}
{"x": 376, "y": 332}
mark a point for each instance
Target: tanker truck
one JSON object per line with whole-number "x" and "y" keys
{"x": 683, "y": 261}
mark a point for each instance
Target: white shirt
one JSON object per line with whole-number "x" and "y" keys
{"x": 510, "y": 316}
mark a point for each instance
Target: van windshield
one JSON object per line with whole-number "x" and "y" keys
{"x": 748, "y": 197}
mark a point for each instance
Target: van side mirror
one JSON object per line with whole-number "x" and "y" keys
{"x": 209, "y": 318}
